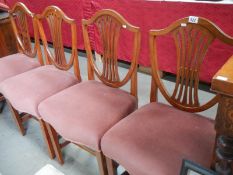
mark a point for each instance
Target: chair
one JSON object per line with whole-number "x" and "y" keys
{"x": 12, "y": 65}
{"x": 82, "y": 113}
{"x": 155, "y": 138}
{"x": 24, "y": 92}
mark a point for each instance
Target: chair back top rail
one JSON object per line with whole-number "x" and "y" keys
{"x": 55, "y": 17}
{"x": 19, "y": 16}
{"x": 109, "y": 25}
{"x": 192, "y": 39}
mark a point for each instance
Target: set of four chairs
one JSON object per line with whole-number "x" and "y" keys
{"x": 97, "y": 115}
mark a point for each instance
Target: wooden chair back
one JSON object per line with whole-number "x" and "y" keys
{"x": 55, "y": 17}
{"x": 21, "y": 17}
{"x": 109, "y": 25}
{"x": 192, "y": 37}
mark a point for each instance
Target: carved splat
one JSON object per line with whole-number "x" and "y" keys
{"x": 192, "y": 43}
{"x": 21, "y": 17}
{"x": 23, "y": 30}
{"x": 55, "y": 18}
{"x": 109, "y": 29}
{"x": 109, "y": 25}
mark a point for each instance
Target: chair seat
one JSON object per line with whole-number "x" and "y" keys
{"x": 155, "y": 139}
{"x": 25, "y": 91}
{"x": 15, "y": 64}
{"x": 84, "y": 112}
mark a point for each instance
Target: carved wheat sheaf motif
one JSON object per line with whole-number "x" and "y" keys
{"x": 23, "y": 31}
{"x": 55, "y": 25}
{"x": 192, "y": 43}
{"x": 109, "y": 29}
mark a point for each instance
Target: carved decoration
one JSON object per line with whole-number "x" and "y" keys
{"x": 224, "y": 118}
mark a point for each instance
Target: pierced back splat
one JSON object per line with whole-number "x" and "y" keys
{"x": 109, "y": 29}
{"x": 20, "y": 16}
{"x": 55, "y": 17}
{"x": 192, "y": 42}
{"x": 109, "y": 25}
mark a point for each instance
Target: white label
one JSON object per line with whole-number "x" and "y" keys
{"x": 183, "y": 24}
{"x": 124, "y": 26}
{"x": 222, "y": 78}
{"x": 193, "y": 19}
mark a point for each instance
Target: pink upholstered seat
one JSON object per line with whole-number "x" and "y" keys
{"x": 155, "y": 139}
{"x": 15, "y": 64}
{"x": 84, "y": 112}
{"x": 25, "y": 94}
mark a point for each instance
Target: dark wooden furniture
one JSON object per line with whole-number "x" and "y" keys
{"x": 222, "y": 84}
{"x": 7, "y": 38}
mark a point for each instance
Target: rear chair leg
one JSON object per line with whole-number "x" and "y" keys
{"x": 112, "y": 167}
{"x": 17, "y": 118}
{"x": 47, "y": 139}
{"x": 101, "y": 163}
{"x": 55, "y": 141}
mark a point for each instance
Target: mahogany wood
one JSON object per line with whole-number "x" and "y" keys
{"x": 18, "y": 25}
{"x": 20, "y": 16}
{"x": 55, "y": 17}
{"x": 7, "y": 38}
{"x": 109, "y": 24}
{"x": 222, "y": 84}
{"x": 192, "y": 42}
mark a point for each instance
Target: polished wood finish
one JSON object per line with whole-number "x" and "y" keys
{"x": 55, "y": 17}
{"x": 222, "y": 83}
{"x": 20, "y": 17}
{"x": 109, "y": 25}
{"x": 224, "y": 87}
{"x": 47, "y": 139}
{"x": 7, "y": 38}
{"x": 192, "y": 42}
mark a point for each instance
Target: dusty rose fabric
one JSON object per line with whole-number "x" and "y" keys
{"x": 155, "y": 139}
{"x": 15, "y": 64}
{"x": 25, "y": 91}
{"x": 84, "y": 112}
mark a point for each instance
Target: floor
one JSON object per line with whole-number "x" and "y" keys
{"x": 26, "y": 155}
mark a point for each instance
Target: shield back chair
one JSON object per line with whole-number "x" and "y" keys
{"x": 167, "y": 134}
{"x": 40, "y": 83}
{"x": 82, "y": 113}
{"x": 12, "y": 65}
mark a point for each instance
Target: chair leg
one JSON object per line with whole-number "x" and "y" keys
{"x": 214, "y": 157}
{"x": 17, "y": 118}
{"x": 112, "y": 167}
{"x": 47, "y": 139}
{"x": 55, "y": 141}
{"x": 3, "y": 103}
{"x": 101, "y": 163}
